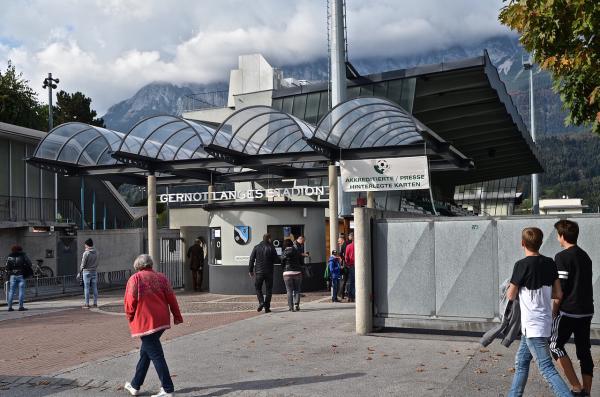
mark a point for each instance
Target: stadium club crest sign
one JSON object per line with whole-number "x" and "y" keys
{"x": 401, "y": 173}
{"x": 230, "y": 195}
{"x": 241, "y": 234}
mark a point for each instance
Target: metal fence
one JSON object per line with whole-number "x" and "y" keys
{"x": 205, "y": 100}
{"x": 48, "y": 287}
{"x": 436, "y": 271}
{"x": 24, "y": 209}
{"x": 172, "y": 260}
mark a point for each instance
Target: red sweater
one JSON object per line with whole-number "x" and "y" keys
{"x": 349, "y": 255}
{"x": 148, "y": 297}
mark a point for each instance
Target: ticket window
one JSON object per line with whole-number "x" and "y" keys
{"x": 281, "y": 232}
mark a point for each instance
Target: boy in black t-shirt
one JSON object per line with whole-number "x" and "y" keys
{"x": 573, "y": 313}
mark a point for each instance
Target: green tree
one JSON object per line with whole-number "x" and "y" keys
{"x": 563, "y": 37}
{"x": 75, "y": 107}
{"x": 19, "y": 104}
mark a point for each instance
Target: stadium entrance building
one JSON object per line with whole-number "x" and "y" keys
{"x": 267, "y": 160}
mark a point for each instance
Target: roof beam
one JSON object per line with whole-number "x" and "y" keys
{"x": 451, "y": 99}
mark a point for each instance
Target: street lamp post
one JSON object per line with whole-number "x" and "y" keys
{"x": 528, "y": 65}
{"x": 50, "y": 83}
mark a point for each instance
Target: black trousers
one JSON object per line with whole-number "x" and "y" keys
{"x": 267, "y": 279}
{"x": 562, "y": 329}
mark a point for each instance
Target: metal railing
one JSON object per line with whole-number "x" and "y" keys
{"x": 205, "y": 100}
{"x": 25, "y": 209}
{"x": 48, "y": 287}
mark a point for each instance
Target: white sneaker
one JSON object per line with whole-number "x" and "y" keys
{"x": 130, "y": 389}
{"x": 163, "y": 393}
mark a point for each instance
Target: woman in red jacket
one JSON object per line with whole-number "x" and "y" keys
{"x": 148, "y": 298}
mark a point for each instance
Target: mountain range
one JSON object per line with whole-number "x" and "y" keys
{"x": 505, "y": 52}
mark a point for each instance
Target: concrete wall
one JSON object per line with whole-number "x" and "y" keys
{"x": 194, "y": 216}
{"x": 446, "y": 272}
{"x": 117, "y": 249}
{"x": 258, "y": 219}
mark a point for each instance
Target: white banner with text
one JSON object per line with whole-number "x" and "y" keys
{"x": 373, "y": 175}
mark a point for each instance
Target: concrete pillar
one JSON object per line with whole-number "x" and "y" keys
{"x": 152, "y": 224}
{"x": 211, "y": 190}
{"x": 337, "y": 52}
{"x": 363, "y": 270}
{"x": 333, "y": 208}
{"x": 370, "y": 199}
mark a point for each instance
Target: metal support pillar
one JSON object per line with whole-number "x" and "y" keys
{"x": 333, "y": 207}
{"x": 104, "y": 218}
{"x": 534, "y": 177}
{"x": 370, "y": 199}
{"x": 82, "y": 203}
{"x": 337, "y": 52}
{"x": 152, "y": 225}
{"x": 93, "y": 210}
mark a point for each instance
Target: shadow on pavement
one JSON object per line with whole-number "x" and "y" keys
{"x": 264, "y": 384}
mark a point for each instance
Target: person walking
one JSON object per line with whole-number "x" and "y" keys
{"x": 292, "y": 274}
{"x": 342, "y": 252}
{"x": 573, "y": 313}
{"x": 18, "y": 268}
{"x": 299, "y": 246}
{"x": 196, "y": 256}
{"x": 148, "y": 300}
{"x": 262, "y": 261}
{"x": 335, "y": 273}
{"x": 349, "y": 263}
{"x": 89, "y": 266}
{"x": 535, "y": 281}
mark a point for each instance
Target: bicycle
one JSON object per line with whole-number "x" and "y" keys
{"x": 39, "y": 270}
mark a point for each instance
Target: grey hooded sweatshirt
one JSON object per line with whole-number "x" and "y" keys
{"x": 89, "y": 260}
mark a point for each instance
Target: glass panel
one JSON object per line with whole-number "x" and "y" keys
{"x": 70, "y": 129}
{"x": 366, "y": 90}
{"x": 93, "y": 151}
{"x": 299, "y": 107}
{"x": 159, "y": 136}
{"x": 47, "y": 184}
{"x": 380, "y": 90}
{"x": 170, "y": 147}
{"x": 277, "y": 103}
{"x": 408, "y": 94}
{"x": 4, "y": 168}
{"x": 33, "y": 176}
{"x": 394, "y": 91}
{"x": 106, "y": 158}
{"x": 323, "y": 105}
{"x": 312, "y": 108}
{"x": 136, "y": 136}
{"x": 49, "y": 148}
{"x": 71, "y": 151}
{"x": 188, "y": 148}
{"x": 288, "y": 103}
{"x": 253, "y": 130}
{"x": 364, "y": 126}
{"x": 278, "y": 140}
{"x": 18, "y": 168}
{"x": 206, "y": 133}
{"x": 353, "y": 92}
{"x": 382, "y": 135}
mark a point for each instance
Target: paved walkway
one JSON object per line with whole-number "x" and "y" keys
{"x": 311, "y": 353}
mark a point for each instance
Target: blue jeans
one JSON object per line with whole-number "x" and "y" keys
{"x": 90, "y": 278}
{"x": 536, "y": 348}
{"x": 351, "y": 290}
{"x": 335, "y": 283}
{"x": 151, "y": 350}
{"x": 11, "y": 291}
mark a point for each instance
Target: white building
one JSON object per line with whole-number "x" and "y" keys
{"x": 561, "y": 206}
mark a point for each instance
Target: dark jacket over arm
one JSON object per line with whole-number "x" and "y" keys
{"x": 263, "y": 258}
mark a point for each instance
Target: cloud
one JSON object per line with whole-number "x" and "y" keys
{"x": 110, "y": 48}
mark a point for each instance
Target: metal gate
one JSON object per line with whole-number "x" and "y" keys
{"x": 172, "y": 260}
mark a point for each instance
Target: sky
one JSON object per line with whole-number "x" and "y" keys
{"x": 108, "y": 49}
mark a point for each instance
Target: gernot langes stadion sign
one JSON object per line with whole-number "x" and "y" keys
{"x": 403, "y": 173}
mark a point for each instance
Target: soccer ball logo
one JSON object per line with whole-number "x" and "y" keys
{"x": 381, "y": 166}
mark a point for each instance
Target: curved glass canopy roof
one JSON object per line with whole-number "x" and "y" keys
{"x": 368, "y": 122}
{"x": 263, "y": 130}
{"x": 167, "y": 138}
{"x": 79, "y": 144}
